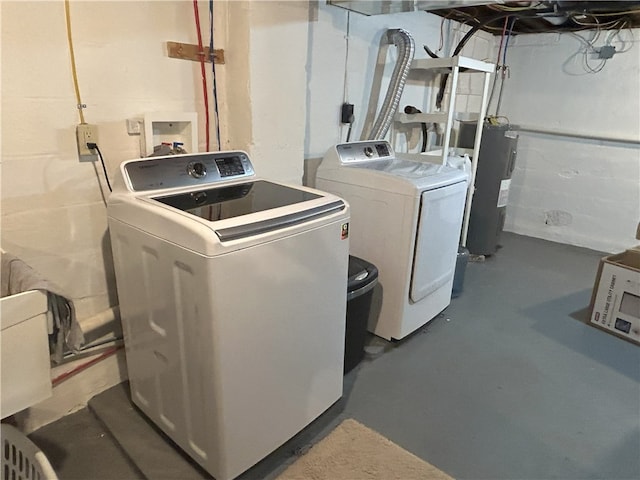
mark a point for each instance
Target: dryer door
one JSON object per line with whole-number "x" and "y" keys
{"x": 437, "y": 239}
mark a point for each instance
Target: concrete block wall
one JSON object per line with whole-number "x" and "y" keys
{"x": 53, "y": 211}
{"x": 345, "y": 63}
{"x": 53, "y": 214}
{"x": 53, "y": 205}
{"x": 574, "y": 190}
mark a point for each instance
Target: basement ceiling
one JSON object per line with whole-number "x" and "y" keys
{"x": 525, "y": 17}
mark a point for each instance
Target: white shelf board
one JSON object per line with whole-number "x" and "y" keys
{"x": 437, "y": 153}
{"x": 421, "y": 117}
{"x": 440, "y": 117}
{"x": 467, "y": 116}
{"x": 445, "y": 64}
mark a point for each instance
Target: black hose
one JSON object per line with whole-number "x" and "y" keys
{"x": 411, "y": 110}
{"x": 429, "y": 52}
{"x": 424, "y": 137}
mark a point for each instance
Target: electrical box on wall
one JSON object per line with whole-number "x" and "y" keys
{"x": 169, "y": 129}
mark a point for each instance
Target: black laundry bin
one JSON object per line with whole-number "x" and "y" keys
{"x": 363, "y": 276}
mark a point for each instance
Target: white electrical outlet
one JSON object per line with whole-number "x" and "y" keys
{"x": 86, "y": 133}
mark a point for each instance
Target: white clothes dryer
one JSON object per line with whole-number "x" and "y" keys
{"x": 406, "y": 218}
{"x": 232, "y": 295}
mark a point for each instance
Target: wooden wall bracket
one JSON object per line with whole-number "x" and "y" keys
{"x": 188, "y": 51}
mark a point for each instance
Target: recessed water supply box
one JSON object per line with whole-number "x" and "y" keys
{"x": 169, "y": 128}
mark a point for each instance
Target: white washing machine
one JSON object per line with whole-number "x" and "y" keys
{"x": 232, "y": 293}
{"x": 406, "y": 218}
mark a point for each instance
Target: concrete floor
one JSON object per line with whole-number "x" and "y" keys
{"x": 509, "y": 382}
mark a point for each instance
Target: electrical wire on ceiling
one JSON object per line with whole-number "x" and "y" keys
{"x": 498, "y": 66}
{"x": 558, "y": 16}
{"x": 505, "y": 68}
{"x": 532, "y": 11}
{"x": 213, "y": 73}
{"x": 596, "y": 24}
{"x": 74, "y": 72}
{"x": 589, "y": 46}
{"x": 202, "y": 71}
{"x": 441, "y": 44}
{"x": 614, "y": 14}
{"x": 508, "y": 8}
{"x": 513, "y": 21}
{"x": 504, "y": 32}
{"x": 617, "y": 34}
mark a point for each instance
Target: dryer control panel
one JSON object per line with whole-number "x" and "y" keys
{"x": 350, "y": 153}
{"x": 188, "y": 170}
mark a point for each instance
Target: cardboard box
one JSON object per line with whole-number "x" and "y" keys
{"x": 615, "y": 301}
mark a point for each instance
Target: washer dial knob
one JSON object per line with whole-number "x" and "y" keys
{"x": 368, "y": 151}
{"x": 197, "y": 169}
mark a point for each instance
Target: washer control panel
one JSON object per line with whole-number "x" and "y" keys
{"x": 229, "y": 166}
{"x": 173, "y": 171}
{"x": 350, "y": 153}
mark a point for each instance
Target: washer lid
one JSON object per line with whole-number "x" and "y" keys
{"x": 235, "y": 200}
{"x": 218, "y": 220}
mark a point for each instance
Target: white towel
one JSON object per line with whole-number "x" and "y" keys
{"x": 17, "y": 277}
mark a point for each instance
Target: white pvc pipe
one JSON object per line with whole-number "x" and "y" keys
{"x": 100, "y": 320}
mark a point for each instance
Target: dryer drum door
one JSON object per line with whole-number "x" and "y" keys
{"x": 438, "y": 235}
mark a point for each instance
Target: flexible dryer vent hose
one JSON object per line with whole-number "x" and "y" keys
{"x": 406, "y": 48}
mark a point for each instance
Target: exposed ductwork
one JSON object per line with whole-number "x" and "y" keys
{"x": 406, "y": 49}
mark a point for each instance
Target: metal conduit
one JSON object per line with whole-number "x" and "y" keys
{"x": 587, "y": 136}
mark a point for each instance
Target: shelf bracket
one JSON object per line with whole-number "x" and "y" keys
{"x": 188, "y": 51}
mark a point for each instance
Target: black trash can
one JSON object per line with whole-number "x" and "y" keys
{"x": 363, "y": 276}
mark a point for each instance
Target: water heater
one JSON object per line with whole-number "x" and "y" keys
{"x": 496, "y": 161}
